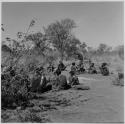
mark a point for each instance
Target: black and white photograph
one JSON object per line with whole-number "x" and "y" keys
{"x": 62, "y": 62}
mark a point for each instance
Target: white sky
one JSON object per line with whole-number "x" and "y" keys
{"x": 98, "y": 22}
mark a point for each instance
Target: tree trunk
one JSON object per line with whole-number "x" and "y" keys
{"x": 62, "y": 56}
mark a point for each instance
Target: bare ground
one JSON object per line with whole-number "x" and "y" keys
{"x": 104, "y": 102}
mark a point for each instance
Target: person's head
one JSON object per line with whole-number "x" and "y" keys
{"x": 57, "y": 72}
{"x": 104, "y": 64}
{"x": 73, "y": 63}
{"x": 37, "y": 73}
{"x": 92, "y": 64}
{"x": 41, "y": 68}
{"x": 54, "y": 73}
{"x": 60, "y": 61}
{"x": 90, "y": 61}
{"x": 72, "y": 73}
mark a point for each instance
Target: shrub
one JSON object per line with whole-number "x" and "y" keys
{"x": 119, "y": 80}
{"x": 14, "y": 87}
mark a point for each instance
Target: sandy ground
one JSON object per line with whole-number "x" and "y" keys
{"x": 104, "y": 102}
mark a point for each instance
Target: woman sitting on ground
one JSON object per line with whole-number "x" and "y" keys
{"x": 44, "y": 85}
{"x": 73, "y": 79}
{"x": 36, "y": 82}
{"x": 92, "y": 69}
{"x": 61, "y": 81}
{"x": 104, "y": 69}
{"x": 73, "y": 67}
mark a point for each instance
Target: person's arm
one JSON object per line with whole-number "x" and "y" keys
{"x": 43, "y": 81}
{"x": 71, "y": 81}
{"x": 77, "y": 80}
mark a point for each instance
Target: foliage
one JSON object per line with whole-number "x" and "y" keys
{"x": 59, "y": 36}
{"x": 103, "y": 48}
{"x": 72, "y": 47}
{"x": 14, "y": 86}
{"x": 40, "y": 42}
{"x": 121, "y": 52}
{"x": 59, "y": 33}
{"x": 119, "y": 80}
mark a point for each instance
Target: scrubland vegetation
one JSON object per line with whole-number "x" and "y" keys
{"x": 32, "y": 50}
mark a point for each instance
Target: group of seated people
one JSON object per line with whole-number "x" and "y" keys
{"x": 60, "y": 67}
{"x": 78, "y": 68}
{"x": 91, "y": 70}
{"x": 60, "y": 81}
{"x": 40, "y": 82}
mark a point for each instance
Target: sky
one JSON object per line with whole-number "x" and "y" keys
{"x": 97, "y": 22}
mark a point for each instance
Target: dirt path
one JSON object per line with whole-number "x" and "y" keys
{"x": 102, "y": 103}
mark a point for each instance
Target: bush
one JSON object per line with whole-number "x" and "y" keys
{"x": 119, "y": 80}
{"x": 14, "y": 87}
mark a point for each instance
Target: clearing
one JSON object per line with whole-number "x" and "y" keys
{"x": 104, "y": 102}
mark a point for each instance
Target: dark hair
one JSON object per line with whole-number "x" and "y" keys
{"x": 92, "y": 64}
{"x": 37, "y": 72}
{"x": 104, "y": 64}
{"x": 73, "y": 63}
{"x": 72, "y": 73}
{"x": 58, "y": 72}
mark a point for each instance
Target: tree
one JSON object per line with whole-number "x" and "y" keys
{"x": 15, "y": 49}
{"x": 108, "y": 49}
{"x": 40, "y": 42}
{"x": 84, "y": 50}
{"x": 72, "y": 47}
{"x": 121, "y": 51}
{"x": 24, "y": 35}
{"x": 59, "y": 33}
{"x": 102, "y": 48}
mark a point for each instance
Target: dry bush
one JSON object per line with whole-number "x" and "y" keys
{"x": 119, "y": 80}
{"x": 29, "y": 117}
{"x": 14, "y": 87}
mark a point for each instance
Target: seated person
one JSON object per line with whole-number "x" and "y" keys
{"x": 44, "y": 85}
{"x": 41, "y": 68}
{"x": 92, "y": 69}
{"x": 81, "y": 67}
{"x": 61, "y": 81}
{"x": 61, "y": 66}
{"x": 12, "y": 72}
{"x": 104, "y": 69}
{"x": 54, "y": 81}
{"x": 50, "y": 68}
{"x": 73, "y": 68}
{"x": 73, "y": 79}
{"x": 36, "y": 82}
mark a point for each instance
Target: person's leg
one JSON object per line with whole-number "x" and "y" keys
{"x": 47, "y": 88}
{"x": 68, "y": 86}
